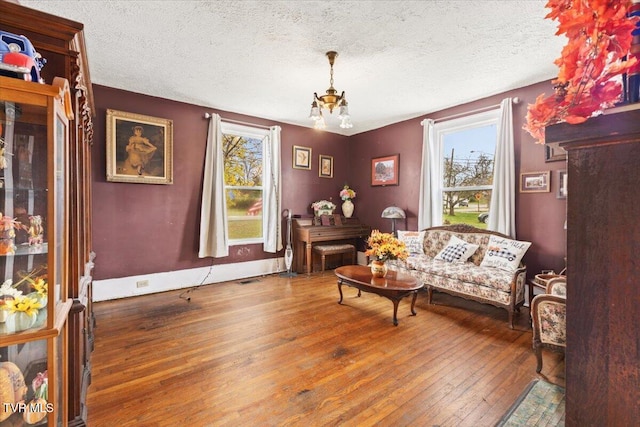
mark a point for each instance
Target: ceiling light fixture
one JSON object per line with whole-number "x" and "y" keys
{"x": 330, "y": 100}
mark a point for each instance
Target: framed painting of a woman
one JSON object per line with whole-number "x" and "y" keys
{"x": 139, "y": 148}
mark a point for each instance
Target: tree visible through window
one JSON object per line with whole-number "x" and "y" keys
{"x": 467, "y": 170}
{"x": 243, "y": 176}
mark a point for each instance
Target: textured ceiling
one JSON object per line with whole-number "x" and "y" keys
{"x": 397, "y": 59}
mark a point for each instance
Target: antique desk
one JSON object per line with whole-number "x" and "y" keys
{"x": 306, "y": 234}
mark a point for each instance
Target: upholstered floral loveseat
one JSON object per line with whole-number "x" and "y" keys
{"x": 467, "y": 262}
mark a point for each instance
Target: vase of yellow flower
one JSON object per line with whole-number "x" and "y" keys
{"x": 379, "y": 268}
{"x": 384, "y": 247}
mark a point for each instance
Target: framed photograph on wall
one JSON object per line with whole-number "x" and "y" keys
{"x": 139, "y": 148}
{"x": 385, "y": 170}
{"x": 554, "y": 153}
{"x": 534, "y": 182}
{"x": 562, "y": 184}
{"x": 301, "y": 157}
{"x": 325, "y": 166}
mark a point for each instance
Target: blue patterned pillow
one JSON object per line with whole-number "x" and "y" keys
{"x": 457, "y": 250}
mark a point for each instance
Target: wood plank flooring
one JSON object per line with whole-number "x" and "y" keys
{"x": 282, "y": 352}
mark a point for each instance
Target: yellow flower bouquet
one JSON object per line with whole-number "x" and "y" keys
{"x": 384, "y": 246}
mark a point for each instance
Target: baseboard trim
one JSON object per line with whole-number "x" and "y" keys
{"x": 124, "y": 287}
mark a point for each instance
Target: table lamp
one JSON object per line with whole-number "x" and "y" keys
{"x": 393, "y": 213}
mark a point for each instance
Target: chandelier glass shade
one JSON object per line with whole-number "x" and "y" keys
{"x": 330, "y": 100}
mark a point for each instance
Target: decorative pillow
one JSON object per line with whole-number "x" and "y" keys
{"x": 504, "y": 254}
{"x": 413, "y": 240}
{"x": 457, "y": 251}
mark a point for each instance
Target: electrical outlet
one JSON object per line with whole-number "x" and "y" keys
{"x": 142, "y": 283}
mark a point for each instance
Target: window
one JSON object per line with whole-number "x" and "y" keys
{"x": 243, "y": 150}
{"x": 467, "y": 148}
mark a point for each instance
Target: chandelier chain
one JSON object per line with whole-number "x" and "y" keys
{"x": 331, "y": 78}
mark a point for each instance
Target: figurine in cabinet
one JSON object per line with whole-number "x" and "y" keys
{"x": 35, "y": 230}
{"x": 18, "y": 58}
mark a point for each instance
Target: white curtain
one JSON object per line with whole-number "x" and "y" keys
{"x": 214, "y": 241}
{"x": 429, "y": 211}
{"x": 502, "y": 209}
{"x": 271, "y": 205}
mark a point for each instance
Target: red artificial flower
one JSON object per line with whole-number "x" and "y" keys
{"x": 599, "y": 38}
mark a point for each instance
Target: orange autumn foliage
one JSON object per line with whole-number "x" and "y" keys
{"x": 599, "y": 38}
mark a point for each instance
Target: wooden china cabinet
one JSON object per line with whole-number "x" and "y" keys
{"x": 61, "y": 42}
{"x": 34, "y": 301}
{"x": 603, "y": 242}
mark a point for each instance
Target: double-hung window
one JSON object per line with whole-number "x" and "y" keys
{"x": 243, "y": 151}
{"x": 467, "y": 147}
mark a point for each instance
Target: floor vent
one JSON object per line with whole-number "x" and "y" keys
{"x": 247, "y": 281}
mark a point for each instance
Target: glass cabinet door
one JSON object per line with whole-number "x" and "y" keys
{"x": 33, "y": 251}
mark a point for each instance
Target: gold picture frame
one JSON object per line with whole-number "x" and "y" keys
{"x": 301, "y": 157}
{"x": 325, "y": 166}
{"x": 139, "y": 148}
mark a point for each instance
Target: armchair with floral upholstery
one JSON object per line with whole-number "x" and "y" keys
{"x": 548, "y": 315}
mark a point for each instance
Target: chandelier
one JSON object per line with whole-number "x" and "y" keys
{"x": 330, "y": 100}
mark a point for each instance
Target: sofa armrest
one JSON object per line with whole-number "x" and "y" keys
{"x": 518, "y": 284}
{"x": 549, "y": 317}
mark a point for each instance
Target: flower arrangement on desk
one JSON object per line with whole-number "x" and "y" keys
{"x": 347, "y": 193}
{"x": 599, "y": 34}
{"x": 323, "y": 207}
{"x": 383, "y": 247}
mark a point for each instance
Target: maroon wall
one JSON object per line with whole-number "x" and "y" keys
{"x": 539, "y": 216}
{"x": 141, "y": 228}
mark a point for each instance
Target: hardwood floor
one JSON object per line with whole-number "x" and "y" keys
{"x": 282, "y": 352}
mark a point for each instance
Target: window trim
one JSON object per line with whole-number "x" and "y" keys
{"x": 255, "y": 133}
{"x": 444, "y": 128}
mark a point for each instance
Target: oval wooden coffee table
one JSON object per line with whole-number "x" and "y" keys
{"x": 393, "y": 286}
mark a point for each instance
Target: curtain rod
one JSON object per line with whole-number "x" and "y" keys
{"x": 208, "y": 116}
{"x": 515, "y": 100}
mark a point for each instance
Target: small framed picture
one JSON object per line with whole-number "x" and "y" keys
{"x": 562, "y": 184}
{"x": 384, "y": 170}
{"x": 301, "y": 157}
{"x": 325, "y": 167}
{"x": 534, "y": 182}
{"x": 554, "y": 153}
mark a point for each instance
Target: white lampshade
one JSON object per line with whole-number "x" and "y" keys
{"x": 393, "y": 212}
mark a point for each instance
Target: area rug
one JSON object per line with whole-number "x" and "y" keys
{"x": 540, "y": 404}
